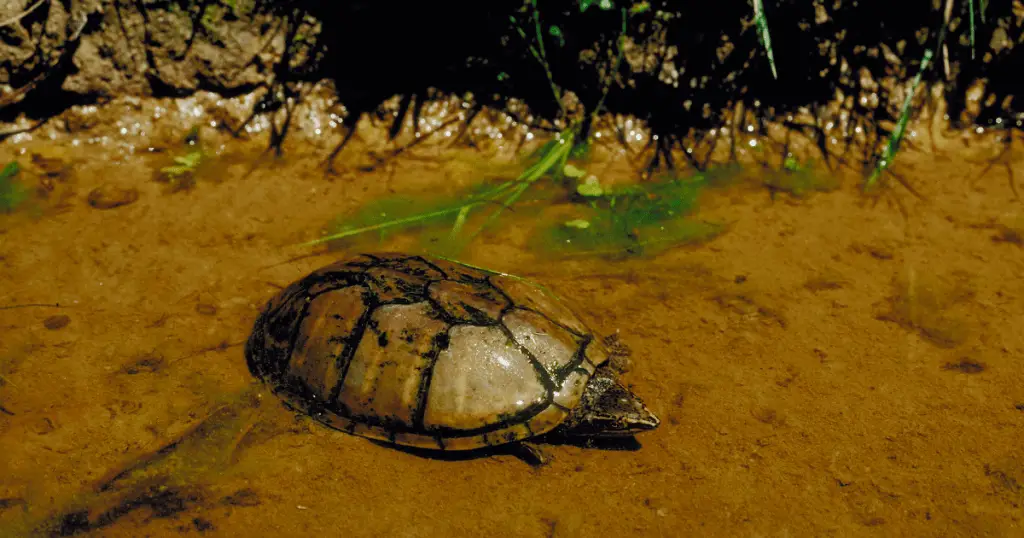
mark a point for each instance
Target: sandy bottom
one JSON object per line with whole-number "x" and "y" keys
{"x": 827, "y": 367}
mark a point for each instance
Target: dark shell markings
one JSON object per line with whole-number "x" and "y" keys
{"x": 427, "y": 353}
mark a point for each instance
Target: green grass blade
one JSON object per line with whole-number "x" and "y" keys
{"x": 897, "y": 135}
{"x": 388, "y": 224}
{"x": 970, "y": 11}
{"x": 765, "y": 37}
{"x": 558, "y": 154}
{"x": 460, "y": 220}
{"x": 12, "y": 192}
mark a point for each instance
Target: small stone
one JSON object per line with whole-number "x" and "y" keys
{"x": 56, "y": 322}
{"x": 109, "y": 197}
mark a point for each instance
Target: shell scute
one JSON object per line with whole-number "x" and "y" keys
{"x": 468, "y": 302}
{"x": 596, "y": 352}
{"x": 325, "y": 335}
{"x": 413, "y": 265}
{"x": 547, "y": 419}
{"x": 391, "y": 285}
{"x": 458, "y": 272}
{"x": 331, "y": 277}
{"x": 571, "y": 388}
{"x": 554, "y": 346}
{"x": 270, "y": 346}
{"x": 481, "y": 379}
{"x": 386, "y": 375}
{"x": 529, "y": 295}
{"x": 511, "y": 434}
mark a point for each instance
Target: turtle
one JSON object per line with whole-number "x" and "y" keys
{"x": 426, "y": 353}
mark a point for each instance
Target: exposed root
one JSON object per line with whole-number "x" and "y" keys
{"x": 401, "y": 149}
{"x": 1005, "y": 158}
{"x": 350, "y": 131}
{"x": 11, "y": 20}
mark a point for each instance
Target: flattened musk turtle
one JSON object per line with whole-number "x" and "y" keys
{"x": 431, "y": 354}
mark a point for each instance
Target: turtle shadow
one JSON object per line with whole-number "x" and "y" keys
{"x": 529, "y": 452}
{"x": 627, "y": 443}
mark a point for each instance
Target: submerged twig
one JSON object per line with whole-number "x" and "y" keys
{"x": 202, "y": 351}
{"x": 294, "y": 259}
{"x": 31, "y": 305}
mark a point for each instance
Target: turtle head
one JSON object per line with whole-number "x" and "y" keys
{"x": 609, "y": 409}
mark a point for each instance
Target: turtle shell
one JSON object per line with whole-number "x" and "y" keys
{"x": 424, "y": 352}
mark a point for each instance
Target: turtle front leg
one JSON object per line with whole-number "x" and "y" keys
{"x": 531, "y": 453}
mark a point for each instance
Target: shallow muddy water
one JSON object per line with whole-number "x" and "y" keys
{"x": 826, "y": 367}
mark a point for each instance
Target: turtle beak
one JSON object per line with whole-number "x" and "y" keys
{"x": 634, "y": 417}
{"x": 642, "y": 420}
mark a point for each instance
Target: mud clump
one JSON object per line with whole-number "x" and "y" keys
{"x": 109, "y": 197}
{"x": 57, "y": 322}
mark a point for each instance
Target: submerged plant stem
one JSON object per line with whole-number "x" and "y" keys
{"x": 388, "y": 224}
